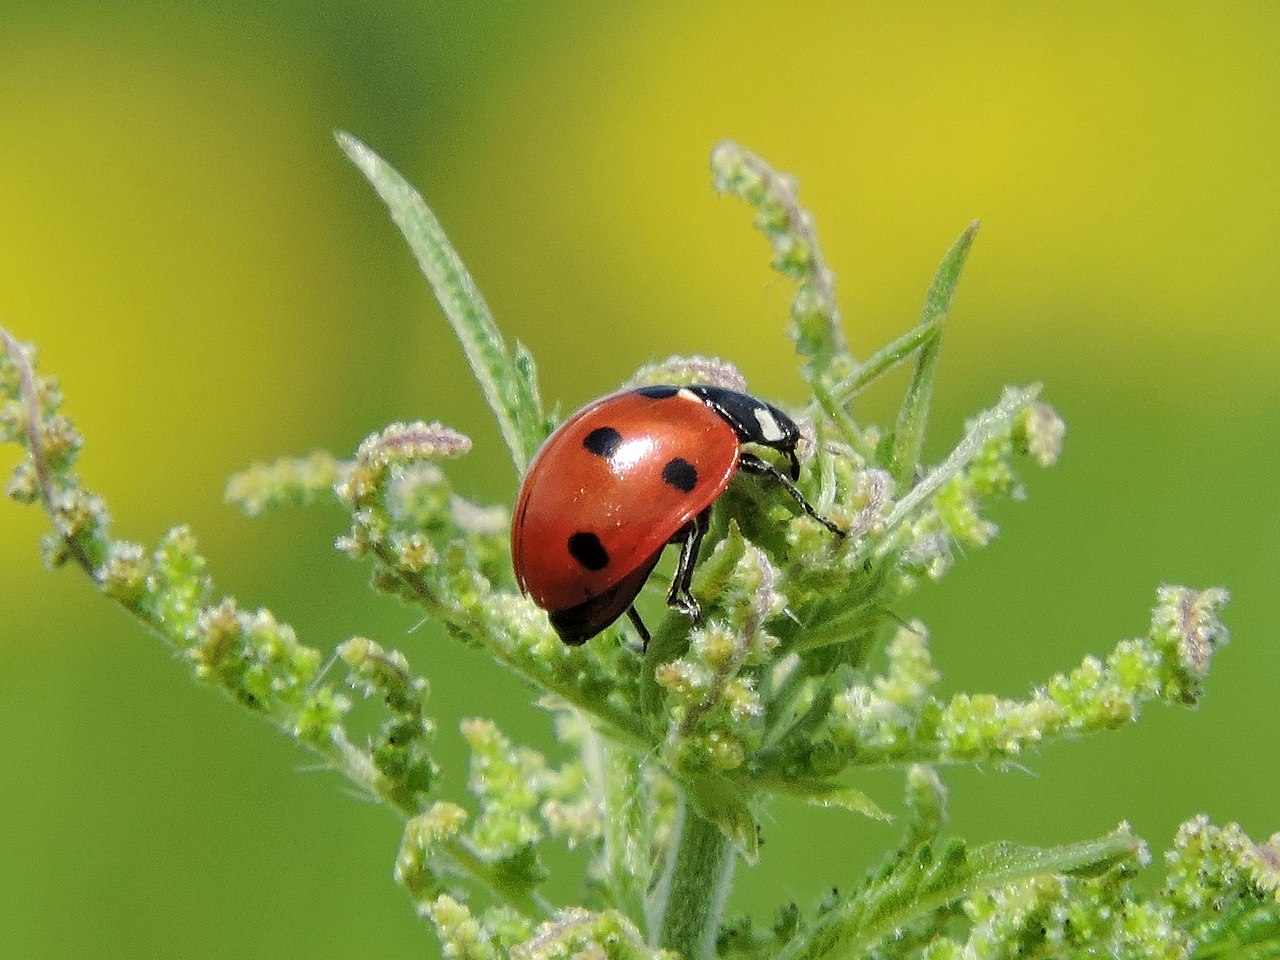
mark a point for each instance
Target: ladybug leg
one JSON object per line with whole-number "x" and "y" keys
{"x": 750, "y": 463}
{"x": 690, "y": 539}
{"x": 634, "y": 616}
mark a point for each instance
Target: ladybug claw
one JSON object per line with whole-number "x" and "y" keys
{"x": 688, "y": 606}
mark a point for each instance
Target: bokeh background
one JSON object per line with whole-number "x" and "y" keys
{"x": 214, "y": 285}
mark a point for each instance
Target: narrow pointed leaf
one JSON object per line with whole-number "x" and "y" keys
{"x": 506, "y": 378}
{"x": 823, "y": 794}
{"x": 909, "y": 436}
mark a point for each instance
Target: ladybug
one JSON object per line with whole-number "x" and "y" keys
{"x": 622, "y": 478}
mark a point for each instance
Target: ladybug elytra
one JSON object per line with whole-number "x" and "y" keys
{"x": 622, "y": 478}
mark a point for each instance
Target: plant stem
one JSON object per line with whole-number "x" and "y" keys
{"x": 883, "y": 360}
{"x": 695, "y": 887}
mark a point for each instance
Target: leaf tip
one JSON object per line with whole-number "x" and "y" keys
{"x": 357, "y": 151}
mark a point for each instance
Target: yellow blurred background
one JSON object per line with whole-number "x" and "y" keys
{"x": 213, "y": 284}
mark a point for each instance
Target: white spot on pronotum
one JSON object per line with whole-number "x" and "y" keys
{"x": 769, "y": 428}
{"x": 686, "y": 394}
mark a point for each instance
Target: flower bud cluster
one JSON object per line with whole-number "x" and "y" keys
{"x": 423, "y": 849}
{"x": 882, "y": 714}
{"x": 893, "y": 718}
{"x": 400, "y": 752}
{"x": 29, "y": 416}
{"x": 1220, "y": 888}
{"x": 573, "y": 934}
{"x": 716, "y": 715}
{"x": 689, "y": 371}
{"x": 289, "y": 481}
{"x": 1211, "y": 868}
{"x": 521, "y": 797}
{"x": 793, "y": 239}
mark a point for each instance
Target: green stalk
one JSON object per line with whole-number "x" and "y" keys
{"x": 694, "y": 889}
{"x": 525, "y": 902}
{"x": 882, "y": 361}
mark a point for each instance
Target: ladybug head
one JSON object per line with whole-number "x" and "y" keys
{"x": 754, "y": 420}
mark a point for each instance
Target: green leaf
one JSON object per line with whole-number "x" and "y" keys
{"x": 506, "y": 377}
{"x": 725, "y": 804}
{"x": 821, "y": 793}
{"x": 909, "y": 436}
{"x": 922, "y": 882}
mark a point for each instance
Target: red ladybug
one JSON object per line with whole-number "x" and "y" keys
{"x": 623, "y": 477}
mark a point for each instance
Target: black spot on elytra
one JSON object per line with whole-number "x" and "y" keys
{"x": 587, "y": 549}
{"x": 681, "y": 474}
{"x": 659, "y": 392}
{"x": 602, "y": 441}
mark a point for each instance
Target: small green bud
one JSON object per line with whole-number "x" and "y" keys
{"x": 320, "y": 715}
{"x": 716, "y": 646}
{"x": 1186, "y": 630}
{"x": 375, "y": 672}
{"x": 124, "y": 574}
{"x": 742, "y": 701}
{"x": 1038, "y": 432}
{"x": 59, "y": 442}
{"x": 24, "y": 485}
{"x": 461, "y": 935}
{"x": 77, "y": 513}
{"x": 687, "y": 681}
{"x": 713, "y": 750}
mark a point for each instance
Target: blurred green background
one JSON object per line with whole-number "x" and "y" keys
{"x": 213, "y": 284}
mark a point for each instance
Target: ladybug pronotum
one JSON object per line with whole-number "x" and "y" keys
{"x": 622, "y": 478}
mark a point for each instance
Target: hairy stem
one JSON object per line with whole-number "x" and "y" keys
{"x": 986, "y": 426}
{"x": 695, "y": 887}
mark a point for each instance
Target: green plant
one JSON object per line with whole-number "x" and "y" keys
{"x": 671, "y": 756}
